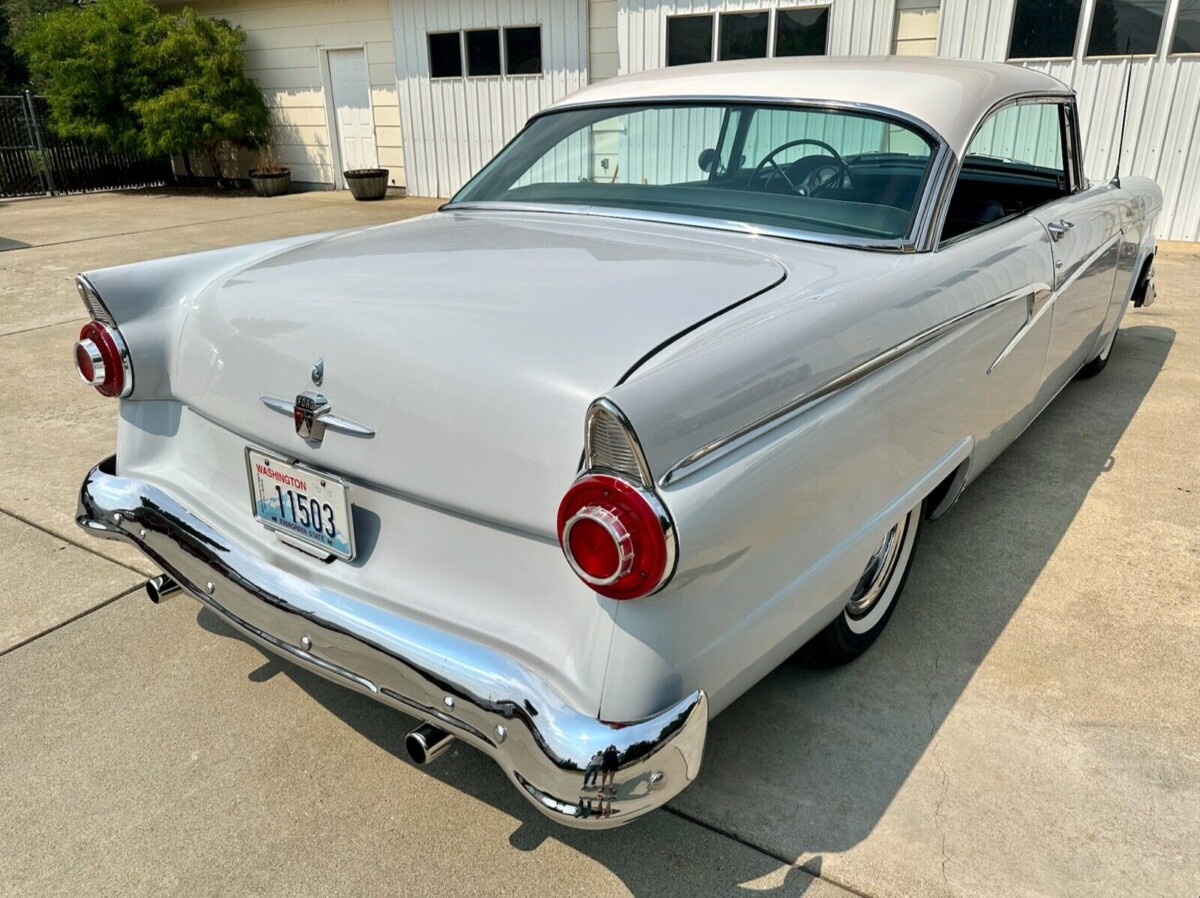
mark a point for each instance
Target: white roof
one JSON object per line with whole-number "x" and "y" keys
{"x": 950, "y": 96}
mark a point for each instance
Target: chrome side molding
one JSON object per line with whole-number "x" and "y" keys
{"x": 805, "y": 401}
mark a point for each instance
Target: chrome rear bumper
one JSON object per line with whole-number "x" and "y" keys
{"x": 477, "y": 694}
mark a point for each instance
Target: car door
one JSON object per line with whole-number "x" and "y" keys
{"x": 1085, "y": 232}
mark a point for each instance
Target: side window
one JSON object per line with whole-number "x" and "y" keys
{"x": 1014, "y": 163}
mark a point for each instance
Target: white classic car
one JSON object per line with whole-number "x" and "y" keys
{"x": 661, "y": 396}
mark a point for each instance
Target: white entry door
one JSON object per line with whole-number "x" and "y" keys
{"x": 351, "y": 88}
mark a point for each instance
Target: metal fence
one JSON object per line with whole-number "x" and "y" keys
{"x": 34, "y": 160}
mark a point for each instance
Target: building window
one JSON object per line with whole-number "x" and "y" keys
{"x": 1044, "y": 29}
{"x": 802, "y": 32}
{"x": 744, "y": 35}
{"x": 1121, "y": 27}
{"x": 689, "y": 39}
{"x": 1187, "y": 28}
{"x": 523, "y": 51}
{"x": 916, "y": 27}
{"x": 445, "y": 55}
{"x": 483, "y": 52}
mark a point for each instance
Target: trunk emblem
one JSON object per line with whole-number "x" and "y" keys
{"x": 310, "y": 407}
{"x": 312, "y": 417}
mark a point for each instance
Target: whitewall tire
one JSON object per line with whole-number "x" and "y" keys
{"x": 873, "y": 598}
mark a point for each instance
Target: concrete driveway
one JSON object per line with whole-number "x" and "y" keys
{"x": 1027, "y": 725}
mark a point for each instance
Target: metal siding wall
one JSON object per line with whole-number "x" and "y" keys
{"x": 453, "y": 126}
{"x": 856, "y": 27}
{"x": 1163, "y": 136}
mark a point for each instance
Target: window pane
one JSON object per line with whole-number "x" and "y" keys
{"x": 743, "y": 35}
{"x": 483, "y": 52}
{"x": 1014, "y": 164}
{"x": 445, "y": 55}
{"x": 916, "y": 27}
{"x": 523, "y": 51}
{"x": 1125, "y": 26}
{"x": 801, "y": 32}
{"x": 689, "y": 39}
{"x": 1044, "y": 29}
{"x": 1026, "y": 134}
{"x": 841, "y": 173}
{"x": 1187, "y": 28}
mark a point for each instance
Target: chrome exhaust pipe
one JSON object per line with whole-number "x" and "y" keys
{"x": 161, "y": 587}
{"x": 426, "y": 742}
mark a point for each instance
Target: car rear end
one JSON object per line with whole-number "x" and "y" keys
{"x": 442, "y": 553}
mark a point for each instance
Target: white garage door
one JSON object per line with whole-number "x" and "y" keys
{"x": 472, "y": 72}
{"x": 355, "y": 125}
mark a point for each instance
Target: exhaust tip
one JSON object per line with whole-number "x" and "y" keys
{"x": 161, "y": 587}
{"x": 426, "y": 742}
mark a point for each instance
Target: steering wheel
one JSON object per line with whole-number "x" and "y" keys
{"x": 799, "y": 190}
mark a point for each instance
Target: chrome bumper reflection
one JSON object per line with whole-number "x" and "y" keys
{"x": 479, "y": 695}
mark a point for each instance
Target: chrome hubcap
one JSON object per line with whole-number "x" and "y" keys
{"x": 878, "y": 572}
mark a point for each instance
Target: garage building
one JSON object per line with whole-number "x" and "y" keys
{"x": 432, "y": 89}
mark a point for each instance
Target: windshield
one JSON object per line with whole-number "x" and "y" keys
{"x": 849, "y": 174}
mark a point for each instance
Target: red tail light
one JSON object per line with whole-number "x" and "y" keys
{"x": 103, "y": 361}
{"x": 617, "y": 537}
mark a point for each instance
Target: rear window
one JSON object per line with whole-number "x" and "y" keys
{"x": 826, "y": 171}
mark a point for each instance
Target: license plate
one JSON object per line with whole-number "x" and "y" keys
{"x": 308, "y": 505}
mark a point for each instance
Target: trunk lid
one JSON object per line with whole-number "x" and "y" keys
{"x": 471, "y": 342}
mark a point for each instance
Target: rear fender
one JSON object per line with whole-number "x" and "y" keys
{"x": 150, "y": 301}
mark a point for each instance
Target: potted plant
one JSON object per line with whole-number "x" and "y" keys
{"x": 270, "y": 178}
{"x": 367, "y": 183}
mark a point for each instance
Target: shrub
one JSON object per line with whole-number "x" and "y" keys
{"x": 120, "y": 75}
{"x": 204, "y": 100}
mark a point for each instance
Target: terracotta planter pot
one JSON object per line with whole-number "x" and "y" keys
{"x": 368, "y": 183}
{"x": 275, "y": 184}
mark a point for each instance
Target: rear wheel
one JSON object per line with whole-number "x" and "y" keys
{"x": 1100, "y": 362}
{"x": 873, "y": 598}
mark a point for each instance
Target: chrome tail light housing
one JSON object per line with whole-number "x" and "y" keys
{"x": 614, "y": 529}
{"x": 101, "y": 356}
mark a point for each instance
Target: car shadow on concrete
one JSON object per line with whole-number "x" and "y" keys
{"x": 809, "y": 760}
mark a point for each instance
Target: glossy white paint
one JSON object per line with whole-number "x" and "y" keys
{"x": 474, "y": 341}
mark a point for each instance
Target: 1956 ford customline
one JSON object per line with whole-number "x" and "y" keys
{"x": 662, "y": 395}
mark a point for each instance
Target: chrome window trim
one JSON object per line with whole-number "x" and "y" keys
{"x": 694, "y": 221}
{"x": 917, "y": 239}
{"x": 710, "y": 452}
{"x": 1060, "y": 98}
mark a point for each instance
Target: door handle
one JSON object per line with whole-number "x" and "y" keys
{"x": 1058, "y": 229}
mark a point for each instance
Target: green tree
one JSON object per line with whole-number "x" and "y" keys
{"x": 89, "y": 64}
{"x": 120, "y": 75}
{"x": 204, "y": 99}
{"x": 20, "y": 13}
{"x": 13, "y": 76}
